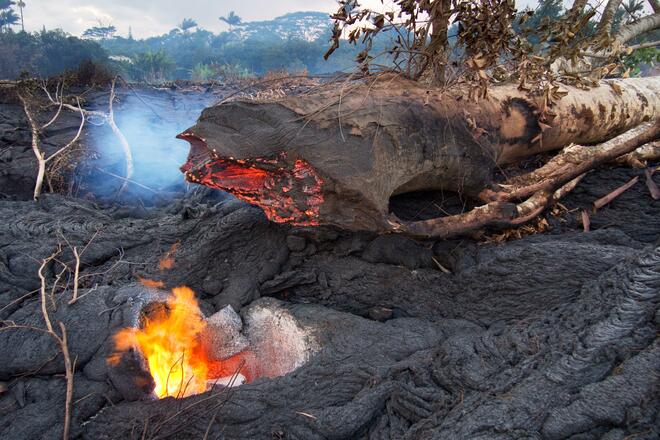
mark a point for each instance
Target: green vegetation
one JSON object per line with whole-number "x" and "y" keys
{"x": 100, "y": 32}
{"x": 152, "y": 67}
{"x": 187, "y": 24}
{"x": 198, "y": 53}
{"x": 253, "y": 48}
{"x": 8, "y": 16}
{"x": 45, "y": 53}
{"x": 232, "y": 20}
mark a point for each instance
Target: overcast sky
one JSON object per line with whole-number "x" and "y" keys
{"x": 155, "y": 17}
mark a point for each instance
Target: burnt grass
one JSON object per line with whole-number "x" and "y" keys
{"x": 550, "y": 336}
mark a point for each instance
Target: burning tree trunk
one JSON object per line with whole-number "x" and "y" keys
{"x": 338, "y": 155}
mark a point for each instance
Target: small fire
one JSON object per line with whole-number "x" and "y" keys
{"x": 170, "y": 342}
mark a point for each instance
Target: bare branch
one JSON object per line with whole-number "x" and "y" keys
{"x": 68, "y": 370}
{"x": 547, "y": 185}
{"x": 614, "y": 194}
{"x": 62, "y": 342}
{"x": 42, "y": 278}
{"x": 107, "y": 117}
{"x": 128, "y": 155}
{"x": 76, "y": 276}
{"x": 644, "y": 45}
{"x": 59, "y": 109}
{"x": 637, "y": 28}
{"x": 41, "y": 161}
{"x": 605, "y": 24}
{"x": 76, "y": 137}
{"x": 574, "y": 161}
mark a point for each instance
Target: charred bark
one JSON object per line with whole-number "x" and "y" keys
{"x": 337, "y": 156}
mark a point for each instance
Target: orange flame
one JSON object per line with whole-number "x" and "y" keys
{"x": 170, "y": 342}
{"x": 150, "y": 283}
{"x": 167, "y": 260}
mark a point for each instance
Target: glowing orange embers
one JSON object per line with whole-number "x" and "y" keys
{"x": 169, "y": 341}
{"x": 287, "y": 193}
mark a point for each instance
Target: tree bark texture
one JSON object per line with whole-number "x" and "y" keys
{"x": 337, "y": 155}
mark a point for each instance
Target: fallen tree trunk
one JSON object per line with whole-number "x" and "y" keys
{"x": 337, "y": 155}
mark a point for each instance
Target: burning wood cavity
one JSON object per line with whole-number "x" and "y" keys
{"x": 288, "y": 193}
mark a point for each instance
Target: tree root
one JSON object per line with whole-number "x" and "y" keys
{"x": 523, "y": 198}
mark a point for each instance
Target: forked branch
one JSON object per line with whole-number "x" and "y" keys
{"x": 536, "y": 190}
{"x": 62, "y": 342}
{"x": 42, "y": 160}
{"x": 109, "y": 118}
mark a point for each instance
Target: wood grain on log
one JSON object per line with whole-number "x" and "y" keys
{"x": 337, "y": 155}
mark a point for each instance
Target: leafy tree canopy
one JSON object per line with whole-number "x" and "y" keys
{"x": 231, "y": 19}
{"x": 99, "y": 32}
{"x": 187, "y": 23}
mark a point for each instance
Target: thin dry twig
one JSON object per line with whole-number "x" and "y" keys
{"x": 586, "y": 222}
{"x": 68, "y": 369}
{"x": 62, "y": 343}
{"x": 109, "y": 118}
{"x": 653, "y": 188}
{"x": 76, "y": 276}
{"x": 614, "y": 194}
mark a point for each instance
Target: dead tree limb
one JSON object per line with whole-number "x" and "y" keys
{"x": 303, "y": 164}
{"x": 653, "y": 188}
{"x": 128, "y": 155}
{"x": 605, "y": 24}
{"x": 69, "y": 368}
{"x": 62, "y": 344}
{"x": 38, "y": 154}
{"x": 616, "y": 193}
{"x": 42, "y": 160}
{"x": 76, "y": 276}
{"x": 644, "y": 45}
{"x": 59, "y": 110}
{"x": 643, "y": 25}
{"x": 572, "y": 163}
{"x": 109, "y": 118}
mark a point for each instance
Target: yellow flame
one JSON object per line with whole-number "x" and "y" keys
{"x": 170, "y": 343}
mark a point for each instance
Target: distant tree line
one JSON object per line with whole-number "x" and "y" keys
{"x": 189, "y": 52}
{"x": 202, "y": 55}
{"x": 45, "y": 53}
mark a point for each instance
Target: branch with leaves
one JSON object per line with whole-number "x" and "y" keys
{"x": 492, "y": 39}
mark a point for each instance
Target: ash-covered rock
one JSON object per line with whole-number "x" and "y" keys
{"x": 550, "y": 336}
{"x": 222, "y": 338}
